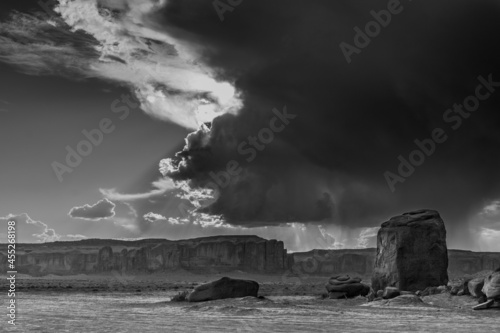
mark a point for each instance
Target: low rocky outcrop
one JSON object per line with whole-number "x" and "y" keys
{"x": 346, "y": 287}
{"x": 224, "y": 288}
{"x": 411, "y": 252}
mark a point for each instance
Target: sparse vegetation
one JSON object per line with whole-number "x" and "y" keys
{"x": 180, "y": 297}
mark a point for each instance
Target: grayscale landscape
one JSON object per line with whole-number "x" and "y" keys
{"x": 249, "y": 166}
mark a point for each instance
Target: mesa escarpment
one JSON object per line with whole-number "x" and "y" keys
{"x": 212, "y": 255}
{"x": 208, "y": 254}
{"x": 361, "y": 262}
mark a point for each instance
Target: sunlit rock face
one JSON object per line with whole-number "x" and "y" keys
{"x": 411, "y": 252}
{"x": 204, "y": 255}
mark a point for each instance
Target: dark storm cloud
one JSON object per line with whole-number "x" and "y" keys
{"x": 103, "y": 209}
{"x": 353, "y": 120}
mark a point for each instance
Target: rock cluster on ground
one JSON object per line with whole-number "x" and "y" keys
{"x": 224, "y": 288}
{"x": 484, "y": 286}
{"x": 491, "y": 287}
{"x": 411, "y": 252}
{"x": 393, "y": 292}
{"x": 344, "y": 286}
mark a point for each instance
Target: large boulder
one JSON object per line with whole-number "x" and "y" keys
{"x": 475, "y": 287}
{"x": 345, "y": 286}
{"x": 224, "y": 288}
{"x": 411, "y": 252}
{"x": 491, "y": 286}
{"x": 391, "y": 292}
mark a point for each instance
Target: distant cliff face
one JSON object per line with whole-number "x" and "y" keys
{"x": 361, "y": 261}
{"x": 209, "y": 254}
{"x": 331, "y": 262}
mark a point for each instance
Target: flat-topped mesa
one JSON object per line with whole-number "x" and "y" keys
{"x": 411, "y": 252}
{"x": 207, "y": 254}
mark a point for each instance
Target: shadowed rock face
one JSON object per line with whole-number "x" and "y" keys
{"x": 411, "y": 252}
{"x": 208, "y": 254}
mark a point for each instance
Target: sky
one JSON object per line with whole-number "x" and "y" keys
{"x": 309, "y": 122}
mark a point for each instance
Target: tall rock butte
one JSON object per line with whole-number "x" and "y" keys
{"x": 411, "y": 252}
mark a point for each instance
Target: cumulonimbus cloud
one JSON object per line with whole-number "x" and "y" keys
{"x": 103, "y": 209}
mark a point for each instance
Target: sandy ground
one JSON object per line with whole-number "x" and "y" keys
{"x": 179, "y": 281}
{"x": 123, "y": 303}
{"x": 269, "y": 284}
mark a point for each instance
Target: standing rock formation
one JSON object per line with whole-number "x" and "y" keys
{"x": 411, "y": 252}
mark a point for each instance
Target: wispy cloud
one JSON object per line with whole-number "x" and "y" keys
{"x": 160, "y": 187}
{"x": 29, "y": 230}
